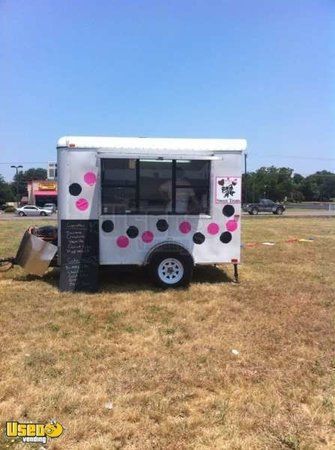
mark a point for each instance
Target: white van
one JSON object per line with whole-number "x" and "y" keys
{"x": 168, "y": 204}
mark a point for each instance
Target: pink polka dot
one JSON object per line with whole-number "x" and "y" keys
{"x": 90, "y": 178}
{"x": 147, "y": 236}
{"x": 122, "y": 241}
{"x": 213, "y": 228}
{"x": 231, "y": 225}
{"x": 82, "y": 204}
{"x": 185, "y": 227}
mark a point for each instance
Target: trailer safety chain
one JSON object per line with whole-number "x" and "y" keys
{"x": 6, "y": 264}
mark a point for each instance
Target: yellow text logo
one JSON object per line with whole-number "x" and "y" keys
{"x": 33, "y": 432}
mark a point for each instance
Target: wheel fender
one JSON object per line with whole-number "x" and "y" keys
{"x": 167, "y": 247}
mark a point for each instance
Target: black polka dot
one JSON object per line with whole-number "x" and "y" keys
{"x": 228, "y": 210}
{"x": 162, "y": 225}
{"x": 132, "y": 232}
{"x": 225, "y": 237}
{"x": 198, "y": 238}
{"x": 75, "y": 189}
{"x": 107, "y": 226}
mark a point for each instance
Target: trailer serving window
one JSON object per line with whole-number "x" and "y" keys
{"x": 146, "y": 186}
{"x": 192, "y": 187}
{"x": 118, "y": 186}
{"x": 155, "y": 186}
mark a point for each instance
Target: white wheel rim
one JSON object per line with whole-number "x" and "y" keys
{"x": 170, "y": 271}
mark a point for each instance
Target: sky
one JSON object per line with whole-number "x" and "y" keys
{"x": 255, "y": 69}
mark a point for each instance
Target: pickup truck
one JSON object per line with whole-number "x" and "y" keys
{"x": 264, "y": 205}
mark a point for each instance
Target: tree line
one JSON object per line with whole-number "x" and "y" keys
{"x": 10, "y": 191}
{"x": 276, "y": 183}
{"x": 282, "y": 184}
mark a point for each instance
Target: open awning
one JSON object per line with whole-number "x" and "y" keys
{"x": 46, "y": 193}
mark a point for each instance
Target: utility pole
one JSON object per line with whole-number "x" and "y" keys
{"x": 17, "y": 181}
{"x": 245, "y": 179}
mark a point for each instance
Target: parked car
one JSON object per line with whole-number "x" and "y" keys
{"x": 264, "y": 205}
{"x": 32, "y": 210}
{"x": 50, "y": 206}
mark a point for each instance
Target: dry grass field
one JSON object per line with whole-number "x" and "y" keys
{"x": 163, "y": 360}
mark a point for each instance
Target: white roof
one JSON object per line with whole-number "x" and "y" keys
{"x": 158, "y": 145}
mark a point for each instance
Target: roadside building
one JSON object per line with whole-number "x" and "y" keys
{"x": 41, "y": 192}
{"x": 52, "y": 171}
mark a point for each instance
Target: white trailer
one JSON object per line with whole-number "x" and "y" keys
{"x": 169, "y": 204}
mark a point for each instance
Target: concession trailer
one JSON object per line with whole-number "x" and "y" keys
{"x": 168, "y": 204}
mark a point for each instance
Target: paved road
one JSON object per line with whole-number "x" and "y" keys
{"x": 297, "y": 213}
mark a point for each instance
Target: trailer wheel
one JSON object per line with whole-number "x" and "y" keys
{"x": 171, "y": 267}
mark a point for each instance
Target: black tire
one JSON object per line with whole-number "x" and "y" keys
{"x": 21, "y": 214}
{"x": 171, "y": 257}
{"x": 279, "y": 211}
{"x": 43, "y": 213}
{"x": 254, "y": 211}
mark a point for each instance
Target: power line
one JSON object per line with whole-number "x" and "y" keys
{"x": 25, "y": 162}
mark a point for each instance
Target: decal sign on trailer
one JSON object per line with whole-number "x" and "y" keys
{"x": 228, "y": 190}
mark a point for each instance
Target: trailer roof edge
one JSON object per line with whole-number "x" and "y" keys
{"x": 160, "y": 144}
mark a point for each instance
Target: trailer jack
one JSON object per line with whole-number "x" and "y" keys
{"x": 236, "y": 280}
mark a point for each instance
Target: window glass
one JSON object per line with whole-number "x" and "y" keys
{"x": 119, "y": 172}
{"x": 191, "y": 200}
{"x": 192, "y": 172}
{"x": 155, "y": 186}
{"x": 118, "y": 186}
{"x": 118, "y": 200}
{"x": 192, "y": 187}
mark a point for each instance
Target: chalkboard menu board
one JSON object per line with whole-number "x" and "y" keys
{"x": 79, "y": 255}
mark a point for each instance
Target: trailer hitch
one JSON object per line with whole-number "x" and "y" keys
{"x": 6, "y": 264}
